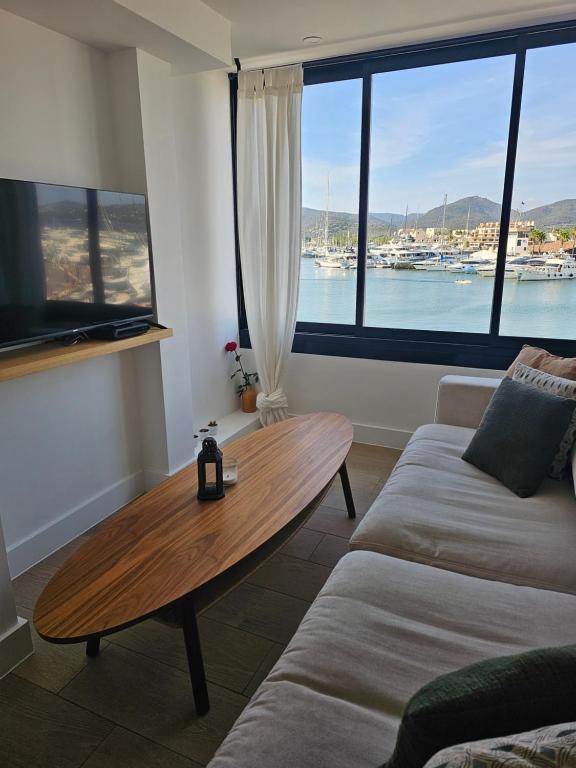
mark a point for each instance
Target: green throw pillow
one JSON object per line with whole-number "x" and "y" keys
{"x": 497, "y": 697}
{"x": 519, "y": 435}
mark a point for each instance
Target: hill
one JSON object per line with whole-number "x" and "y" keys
{"x": 559, "y": 214}
{"x": 472, "y": 210}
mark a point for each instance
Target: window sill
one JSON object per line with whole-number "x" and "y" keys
{"x": 451, "y": 349}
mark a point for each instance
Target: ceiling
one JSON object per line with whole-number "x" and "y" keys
{"x": 273, "y": 29}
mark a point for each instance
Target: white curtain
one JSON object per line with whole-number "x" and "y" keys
{"x": 269, "y": 212}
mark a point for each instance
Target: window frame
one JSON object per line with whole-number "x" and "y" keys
{"x": 460, "y": 348}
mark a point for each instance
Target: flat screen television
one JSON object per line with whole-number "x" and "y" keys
{"x": 71, "y": 260}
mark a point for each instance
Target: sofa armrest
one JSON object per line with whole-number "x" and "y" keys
{"x": 462, "y": 400}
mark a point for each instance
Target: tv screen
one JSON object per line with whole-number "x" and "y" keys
{"x": 71, "y": 259}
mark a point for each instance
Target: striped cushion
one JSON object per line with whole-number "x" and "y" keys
{"x": 556, "y": 386}
{"x": 553, "y": 746}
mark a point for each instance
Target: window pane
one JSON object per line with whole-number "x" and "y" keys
{"x": 331, "y": 122}
{"x": 540, "y": 296}
{"x": 438, "y": 148}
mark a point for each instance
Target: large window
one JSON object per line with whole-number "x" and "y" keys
{"x": 433, "y": 180}
{"x": 439, "y": 214}
{"x": 331, "y": 122}
{"x": 540, "y": 289}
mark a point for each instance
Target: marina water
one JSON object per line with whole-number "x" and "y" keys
{"x": 437, "y": 301}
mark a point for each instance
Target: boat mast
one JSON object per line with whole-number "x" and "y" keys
{"x": 443, "y": 235}
{"x": 326, "y": 215}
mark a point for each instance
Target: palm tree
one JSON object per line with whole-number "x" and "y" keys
{"x": 573, "y": 235}
{"x": 538, "y": 236}
{"x": 563, "y": 235}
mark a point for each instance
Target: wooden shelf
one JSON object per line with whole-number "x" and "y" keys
{"x": 23, "y": 362}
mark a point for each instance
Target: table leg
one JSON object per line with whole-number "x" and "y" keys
{"x": 194, "y": 654}
{"x": 93, "y": 647}
{"x": 347, "y": 491}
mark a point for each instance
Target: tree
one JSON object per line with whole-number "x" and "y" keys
{"x": 563, "y": 235}
{"x": 538, "y": 236}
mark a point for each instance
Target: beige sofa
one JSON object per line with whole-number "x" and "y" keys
{"x": 439, "y": 510}
{"x": 383, "y": 626}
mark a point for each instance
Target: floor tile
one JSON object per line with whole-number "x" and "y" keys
{"x": 264, "y": 669}
{"x": 40, "y": 730}
{"x": 335, "y": 498}
{"x": 155, "y": 701}
{"x": 231, "y": 656}
{"x": 302, "y": 544}
{"x": 29, "y": 586}
{"x": 261, "y": 611}
{"x": 291, "y": 576}
{"x": 52, "y": 665}
{"x": 331, "y": 520}
{"x": 330, "y": 550}
{"x": 123, "y": 749}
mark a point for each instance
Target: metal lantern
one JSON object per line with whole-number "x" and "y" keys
{"x": 210, "y": 454}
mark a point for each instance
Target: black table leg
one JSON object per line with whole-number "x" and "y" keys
{"x": 93, "y": 647}
{"x": 347, "y": 491}
{"x": 194, "y": 654}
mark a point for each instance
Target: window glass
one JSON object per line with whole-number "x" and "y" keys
{"x": 540, "y": 290}
{"x": 331, "y": 123}
{"x": 438, "y": 149}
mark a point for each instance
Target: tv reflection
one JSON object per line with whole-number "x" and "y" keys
{"x": 94, "y": 246}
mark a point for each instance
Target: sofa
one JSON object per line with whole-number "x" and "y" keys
{"x": 447, "y": 568}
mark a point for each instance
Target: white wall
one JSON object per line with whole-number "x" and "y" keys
{"x": 55, "y": 107}
{"x": 202, "y": 122}
{"x": 69, "y": 438}
{"x": 386, "y": 401}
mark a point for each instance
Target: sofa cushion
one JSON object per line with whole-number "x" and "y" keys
{"x": 494, "y": 697}
{"x": 557, "y": 386}
{"x": 520, "y": 435}
{"x": 554, "y": 745}
{"x": 437, "y": 509}
{"x": 535, "y": 357}
{"x": 379, "y": 630}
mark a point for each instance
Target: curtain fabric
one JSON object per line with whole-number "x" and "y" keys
{"x": 269, "y": 213}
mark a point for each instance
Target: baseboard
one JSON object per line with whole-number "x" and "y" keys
{"x": 385, "y": 436}
{"x": 28, "y": 551}
{"x": 15, "y": 646}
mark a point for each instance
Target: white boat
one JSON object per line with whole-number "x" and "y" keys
{"x": 330, "y": 262}
{"x": 489, "y": 270}
{"x": 435, "y": 264}
{"x": 470, "y": 264}
{"x": 553, "y": 269}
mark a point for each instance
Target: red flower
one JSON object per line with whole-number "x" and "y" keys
{"x": 231, "y": 346}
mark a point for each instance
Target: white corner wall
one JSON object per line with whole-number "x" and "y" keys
{"x": 55, "y": 107}
{"x": 69, "y": 438}
{"x": 386, "y": 401}
{"x": 203, "y": 145}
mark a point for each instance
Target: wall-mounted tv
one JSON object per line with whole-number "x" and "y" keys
{"x": 71, "y": 259}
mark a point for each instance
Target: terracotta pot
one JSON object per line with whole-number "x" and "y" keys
{"x": 248, "y": 398}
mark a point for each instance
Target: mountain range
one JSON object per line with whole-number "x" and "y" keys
{"x": 469, "y": 211}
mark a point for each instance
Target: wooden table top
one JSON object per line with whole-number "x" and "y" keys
{"x": 166, "y": 544}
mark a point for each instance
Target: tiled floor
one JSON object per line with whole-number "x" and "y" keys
{"x": 132, "y": 706}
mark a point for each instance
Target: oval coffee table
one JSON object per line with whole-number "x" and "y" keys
{"x": 168, "y": 553}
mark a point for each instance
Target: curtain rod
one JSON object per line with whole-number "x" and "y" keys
{"x": 352, "y": 58}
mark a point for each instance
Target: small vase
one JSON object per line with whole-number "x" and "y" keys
{"x": 248, "y": 398}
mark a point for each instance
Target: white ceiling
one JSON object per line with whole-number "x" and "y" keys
{"x": 273, "y": 29}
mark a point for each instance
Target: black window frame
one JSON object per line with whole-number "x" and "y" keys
{"x": 456, "y": 348}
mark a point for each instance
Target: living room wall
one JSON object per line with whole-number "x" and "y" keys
{"x": 202, "y": 123}
{"x": 69, "y": 438}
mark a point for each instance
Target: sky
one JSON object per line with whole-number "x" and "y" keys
{"x": 443, "y": 130}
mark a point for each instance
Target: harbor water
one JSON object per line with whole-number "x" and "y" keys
{"x": 437, "y": 301}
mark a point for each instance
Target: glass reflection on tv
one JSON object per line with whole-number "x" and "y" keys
{"x": 70, "y": 258}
